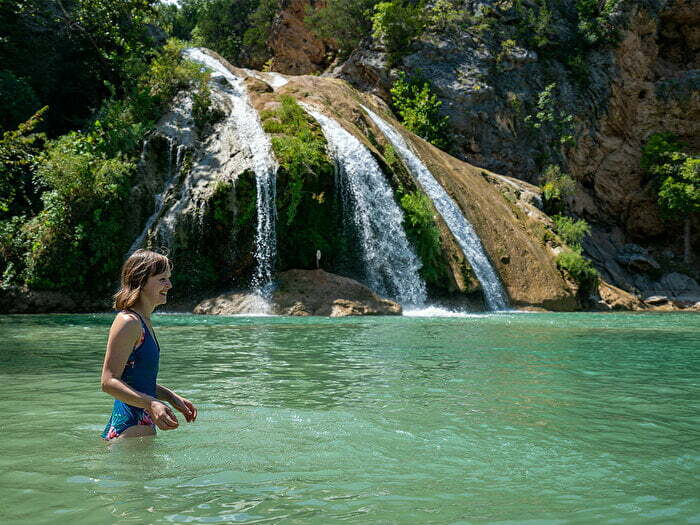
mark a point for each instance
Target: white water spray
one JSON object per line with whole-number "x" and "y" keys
{"x": 244, "y": 119}
{"x": 390, "y": 262}
{"x": 174, "y": 168}
{"x": 494, "y": 294}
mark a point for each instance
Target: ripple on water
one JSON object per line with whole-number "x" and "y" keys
{"x": 439, "y": 418}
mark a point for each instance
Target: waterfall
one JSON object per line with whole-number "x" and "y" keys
{"x": 244, "y": 119}
{"x": 494, "y": 294}
{"x": 173, "y": 173}
{"x": 390, "y": 263}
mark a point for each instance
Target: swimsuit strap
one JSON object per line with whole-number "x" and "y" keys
{"x": 145, "y": 326}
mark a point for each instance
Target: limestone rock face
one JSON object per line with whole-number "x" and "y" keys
{"x": 303, "y": 293}
{"x": 295, "y": 49}
{"x": 649, "y": 83}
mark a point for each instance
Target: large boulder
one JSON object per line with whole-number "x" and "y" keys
{"x": 303, "y": 293}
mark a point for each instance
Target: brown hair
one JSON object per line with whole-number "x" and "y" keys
{"x": 136, "y": 270}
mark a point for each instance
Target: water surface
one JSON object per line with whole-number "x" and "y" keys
{"x": 503, "y": 418}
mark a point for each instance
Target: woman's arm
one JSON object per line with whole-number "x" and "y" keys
{"x": 180, "y": 403}
{"x": 123, "y": 335}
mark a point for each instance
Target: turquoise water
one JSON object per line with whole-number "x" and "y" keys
{"x": 509, "y": 418}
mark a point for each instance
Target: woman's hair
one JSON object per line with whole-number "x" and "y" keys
{"x": 136, "y": 270}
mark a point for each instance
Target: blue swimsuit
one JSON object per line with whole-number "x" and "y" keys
{"x": 140, "y": 374}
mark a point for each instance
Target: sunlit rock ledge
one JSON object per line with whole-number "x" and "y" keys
{"x": 304, "y": 293}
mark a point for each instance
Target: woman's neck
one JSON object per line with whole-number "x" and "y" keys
{"x": 143, "y": 310}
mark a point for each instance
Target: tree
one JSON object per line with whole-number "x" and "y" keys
{"x": 346, "y": 22}
{"x": 679, "y": 197}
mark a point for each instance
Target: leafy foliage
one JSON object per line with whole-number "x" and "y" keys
{"x": 662, "y": 154}
{"x": 551, "y": 120}
{"x": 680, "y": 195}
{"x": 571, "y": 231}
{"x": 419, "y": 224}
{"x": 63, "y": 222}
{"x": 255, "y": 37}
{"x": 445, "y": 16}
{"x": 580, "y": 269}
{"x": 557, "y": 187}
{"x": 418, "y": 108}
{"x": 676, "y": 176}
{"x": 536, "y": 23}
{"x": 19, "y": 152}
{"x": 308, "y": 214}
{"x": 396, "y": 24}
{"x": 346, "y": 22}
{"x": 19, "y": 101}
{"x": 596, "y": 25}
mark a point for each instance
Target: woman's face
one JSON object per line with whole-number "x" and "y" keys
{"x": 156, "y": 288}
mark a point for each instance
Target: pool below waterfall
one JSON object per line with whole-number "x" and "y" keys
{"x": 505, "y": 418}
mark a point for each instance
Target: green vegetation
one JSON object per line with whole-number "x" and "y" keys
{"x": 345, "y": 22}
{"x": 557, "y": 187}
{"x": 580, "y": 269}
{"x": 676, "y": 177}
{"x": 236, "y": 29}
{"x": 396, "y": 24}
{"x": 419, "y": 224}
{"x": 595, "y": 21}
{"x": 418, "y": 109}
{"x": 551, "y": 121}
{"x": 308, "y": 214}
{"x": 65, "y": 217}
{"x": 571, "y": 231}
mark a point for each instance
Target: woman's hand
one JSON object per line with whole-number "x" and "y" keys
{"x": 185, "y": 406}
{"x": 162, "y": 416}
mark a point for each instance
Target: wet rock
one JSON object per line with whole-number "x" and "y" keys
{"x": 304, "y": 293}
{"x": 656, "y": 300}
{"x": 317, "y": 292}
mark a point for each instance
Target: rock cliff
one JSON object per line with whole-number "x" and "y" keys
{"x": 647, "y": 82}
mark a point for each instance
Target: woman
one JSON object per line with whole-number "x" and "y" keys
{"x": 131, "y": 362}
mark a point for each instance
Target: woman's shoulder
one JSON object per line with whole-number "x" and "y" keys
{"x": 126, "y": 321}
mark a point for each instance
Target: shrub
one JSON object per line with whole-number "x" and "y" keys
{"x": 445, "y": 15}
{"x": 309, "y": 216}
{"x": 595, "y": 21}
{"x": 557, "y": 187}
{"x": 661, "y": 155}
{"x": 418, "y": 108}
{"x": 571, "y": 231}
{"x": 680, "y": 195}
{"x": 550, "y": 120}
{"x": 259, "y": 26}
{"x": 535, "y": 23}
{"x": 19, "y": 101}
{"x": 419, "y": 224}
{"x": 579, "y": 268}
{"x": 677, "y": 179}
{"x": 19, "y": 151}
{"x": 396, "y": 24}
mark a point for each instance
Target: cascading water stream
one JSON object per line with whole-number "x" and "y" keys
{"x": 173, "y": 173}
{"x": 494, "y": 294}
{"x": 244, "y": 119}
{"x": 390, "y": 263}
